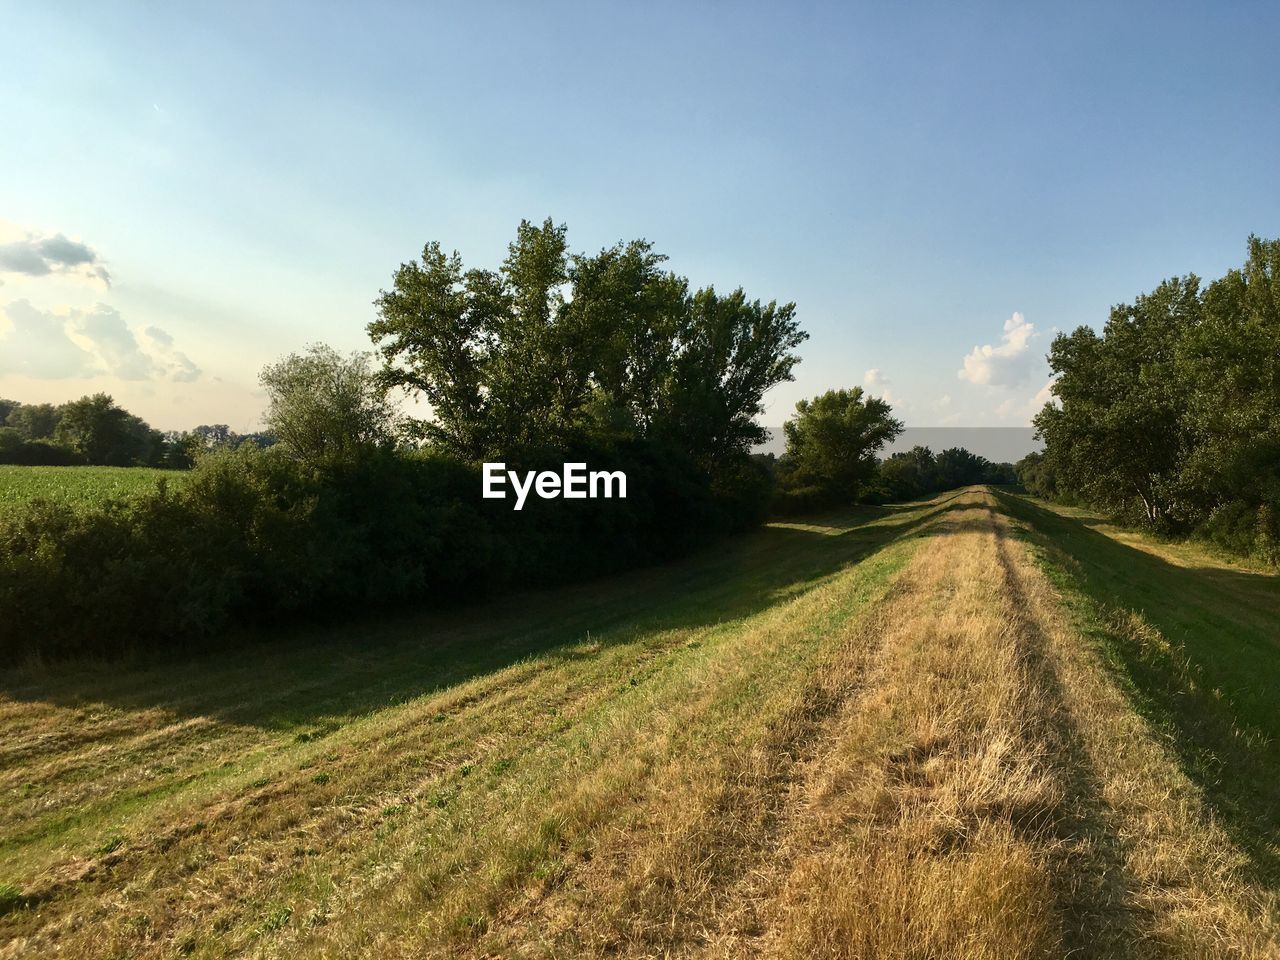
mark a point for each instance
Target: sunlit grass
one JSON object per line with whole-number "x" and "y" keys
{"x": 882, "y": 733}
{"x": 80, "y": 486}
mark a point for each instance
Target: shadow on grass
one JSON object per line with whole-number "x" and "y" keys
{"x": 315, "y": 679}
{"x": 1214, "y": 686}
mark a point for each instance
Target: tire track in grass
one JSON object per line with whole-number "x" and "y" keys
{"x": 298, "y": 851}
{"x": 924, "y": 826}
{"x": 700, "y": 819}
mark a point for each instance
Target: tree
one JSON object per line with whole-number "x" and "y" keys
{"x": 1035, "y": 473}
{"x": 729, "y": 353}
{"x": 1119, "y": 432}
{"x": 489, "y": 351}
{"x": 1229, "y": 366}
{"x": 833, "y": 440}
{"x": 957, "y": 467}
{"x": 35, "y": 421}
{"x": 917, "y": 472}
{"x": 632, "y": 313}
{"x": 105, "y": 434}
{"x": 553, "y": 347}
{"x": 910, "y": 473}
{"x": 1171, "y": 412}
{"x": 324, "y": 407}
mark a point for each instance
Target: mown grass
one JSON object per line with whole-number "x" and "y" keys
{"x": 80, "y": 486}
{"x": 1196, "y": 643}
{"x": 296, "y": 776}
{"x": 874, "y": 734}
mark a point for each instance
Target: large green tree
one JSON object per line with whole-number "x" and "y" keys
{"x": 103, "y": 433}
{"x": 1118, "y": 433}
{"x": 1229, "y": 367}
{"x": 494, "y": 353}
{"x": 553, "y": 347}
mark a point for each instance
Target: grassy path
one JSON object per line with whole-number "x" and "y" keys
{"x": 895, "y": 733}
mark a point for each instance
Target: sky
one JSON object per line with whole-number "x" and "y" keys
{"x": 189, "y": 192}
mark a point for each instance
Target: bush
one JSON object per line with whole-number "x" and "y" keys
{"x": 16, "y": 450}
{"x": 254, "y": 537}
{"x": 1231, "y": 527}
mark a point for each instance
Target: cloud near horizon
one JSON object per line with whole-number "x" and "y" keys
{"x": 875, "y": 383}
{"x": 1027, "y": 409}
{"x": 80, "y": 344}
{"x": 37, "y": 255}
{"x": 1006, "y": 363}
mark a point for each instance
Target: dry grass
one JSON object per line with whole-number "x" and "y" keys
{"x": 873, "y": 738}
{"x": 926, "y": 829}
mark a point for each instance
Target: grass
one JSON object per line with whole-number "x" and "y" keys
{"x": 888, "y": 733}
{"x": 80, "y": 486}
{"x": 1196, "y": 643}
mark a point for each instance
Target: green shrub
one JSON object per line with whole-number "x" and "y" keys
{"x": 254, "y": 537}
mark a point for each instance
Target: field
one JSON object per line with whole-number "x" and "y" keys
{"x": 80, "y": 486}
{"x": 976, "y": 727}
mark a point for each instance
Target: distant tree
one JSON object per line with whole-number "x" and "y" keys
{"x": 10, "y": 442}
{"x": 105, "y": 434}
{"x": 958, "y": 467}
{"x": 917, "y": 472}
{"x": 910, "y": 473}
{"x": 325, "y": 407}
{"x": 35, "y": 421}
{"x": 260, "y": 439}
{"x": 215, "y": 435}
{"x": 1035, "y": 473}
{"x": 6, "y": 408}
{"x": 1000, "y": 473}
{"x": 833, "y": 440}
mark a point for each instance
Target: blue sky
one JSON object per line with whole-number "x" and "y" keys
{"x": 938, "y": 187}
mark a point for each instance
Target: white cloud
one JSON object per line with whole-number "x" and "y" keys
{"x": 37, "y": 255}
{"x": 37, "y": 346}
{"x": 877, "y": 384}
{"x": 48, "y": 345}
{"x": 178, "y": 364}
{"x": 1005, "y": 363}
{"x": 1043, "y": 395}
{"x": 1026, "y": 409}
{"x": 115, "y": 343}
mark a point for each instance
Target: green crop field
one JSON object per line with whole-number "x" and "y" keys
{"x": 80, "y": 486}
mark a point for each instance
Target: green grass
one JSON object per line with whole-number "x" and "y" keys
{"x": 614, "y": 764}
{"x": 80, "y": 486}
{"x": 480, "y": 716}
{"x": 1195, "y": 642}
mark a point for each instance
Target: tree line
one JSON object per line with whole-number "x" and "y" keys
{"x": 95, "y": 431}
{"x": 1168, "y": 417}
{"x": 608, "y": 359}
{"x": 833, "y": 447}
